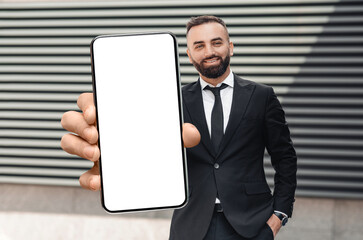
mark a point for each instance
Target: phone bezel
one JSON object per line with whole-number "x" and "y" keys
{"x": 178, "y": 82}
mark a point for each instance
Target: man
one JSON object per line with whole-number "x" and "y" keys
{"x": 237, "y": 119}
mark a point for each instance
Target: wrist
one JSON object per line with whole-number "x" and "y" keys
{"x": 283, "y": 217}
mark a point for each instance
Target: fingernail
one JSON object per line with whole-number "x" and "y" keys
{"x": 92, "y": 184}
{"x": 89, "y": 151}
{"x": 88, "y": 133}
{"x": 86, "y": 112}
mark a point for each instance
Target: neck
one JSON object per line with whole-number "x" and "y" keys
{"x": 216, "y": 81}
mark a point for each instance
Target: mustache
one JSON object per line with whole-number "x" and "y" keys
{"x": 210, "y": 57}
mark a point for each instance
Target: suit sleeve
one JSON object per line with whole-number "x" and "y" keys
{"x": 186, "y": 115}
{"x": 283, "y": 155}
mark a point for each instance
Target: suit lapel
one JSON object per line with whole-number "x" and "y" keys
{"x": 242, "y": 92}
{"x": 194, "y": 101}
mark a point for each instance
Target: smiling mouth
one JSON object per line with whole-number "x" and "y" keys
{"x": 212, "y": 60}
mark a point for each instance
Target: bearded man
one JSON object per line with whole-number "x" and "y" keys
{"x": 237, "y": 119}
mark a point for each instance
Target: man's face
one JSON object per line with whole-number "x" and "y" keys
{"x": 209, "y": 49}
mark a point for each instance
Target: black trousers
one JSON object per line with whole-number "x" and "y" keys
{"x": 220, "y": 229}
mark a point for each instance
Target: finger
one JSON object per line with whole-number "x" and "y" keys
{"x": 191, "y": 135}
{"x": 86, "y": 104}
{"x": 77, "y": 146}
{"x": 74, "y": 122}
{"x": 91, "y": 179}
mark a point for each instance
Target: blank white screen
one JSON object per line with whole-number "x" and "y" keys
{"x": 135, "y": 78}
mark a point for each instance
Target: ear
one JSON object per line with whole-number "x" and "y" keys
{"x": 231, "y": 48}
{"x": 190, "y": 58}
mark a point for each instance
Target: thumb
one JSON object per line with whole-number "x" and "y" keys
{"x": 191, "y": 135}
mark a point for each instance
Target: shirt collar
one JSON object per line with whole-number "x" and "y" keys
{"x": 229, "y": 80}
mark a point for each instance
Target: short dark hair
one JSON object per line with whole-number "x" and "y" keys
{"x": 195, "y": 21}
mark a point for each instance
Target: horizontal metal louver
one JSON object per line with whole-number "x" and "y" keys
{"x": 310, "y": 51}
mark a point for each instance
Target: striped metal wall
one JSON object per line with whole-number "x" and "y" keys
{"x": 310, "y": 51}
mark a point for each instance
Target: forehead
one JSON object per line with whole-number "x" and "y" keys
{"x": 206, "y": 32}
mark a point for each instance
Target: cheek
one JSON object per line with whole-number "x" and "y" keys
{"x": 223, "y": 53}
{"x": 228, "y": 52}
{"x": 196, "y": 57}
{"x": 190, "y": 59}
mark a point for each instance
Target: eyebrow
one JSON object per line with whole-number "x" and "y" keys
{"x": 197, "y": 42}
{"x": 217, "y": 38}
{"x": 214, "y": 39}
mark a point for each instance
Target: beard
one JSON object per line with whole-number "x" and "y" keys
{"x": 213, "y": 71}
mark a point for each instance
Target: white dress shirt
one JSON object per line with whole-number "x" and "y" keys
{"x": 226, "y": 98}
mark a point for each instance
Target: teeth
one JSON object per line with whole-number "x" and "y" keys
{"x": 210, "y": 61}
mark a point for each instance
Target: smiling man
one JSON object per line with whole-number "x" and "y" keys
{"x": 237, "y": 120}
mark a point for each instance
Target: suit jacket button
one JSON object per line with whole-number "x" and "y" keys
{"x": 216, "y": 165}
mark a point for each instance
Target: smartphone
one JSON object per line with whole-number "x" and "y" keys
{"x": 137, "y": 94}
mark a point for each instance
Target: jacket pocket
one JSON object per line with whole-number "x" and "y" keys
{"x": 257, "y": 188}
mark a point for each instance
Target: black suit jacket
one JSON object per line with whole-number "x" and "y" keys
{"x": 256, "y": 122}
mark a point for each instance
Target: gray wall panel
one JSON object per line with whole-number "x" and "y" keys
{"x": 310, "y": 51}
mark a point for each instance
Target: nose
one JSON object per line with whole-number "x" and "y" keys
{"x": 209, "y": 51}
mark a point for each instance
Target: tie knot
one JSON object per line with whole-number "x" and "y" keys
{"x": 216, "y": 90}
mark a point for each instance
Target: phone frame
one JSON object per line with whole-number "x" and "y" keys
{"x": 181, "y": 121}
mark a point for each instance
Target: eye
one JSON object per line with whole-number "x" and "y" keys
{"x": 218, "y": 43}
{"x": 199, "y": 46}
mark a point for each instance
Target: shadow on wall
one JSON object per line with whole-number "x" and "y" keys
{"x": 324, "y": 106}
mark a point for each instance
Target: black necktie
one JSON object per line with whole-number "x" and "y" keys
{"x": 217, "y": 125}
